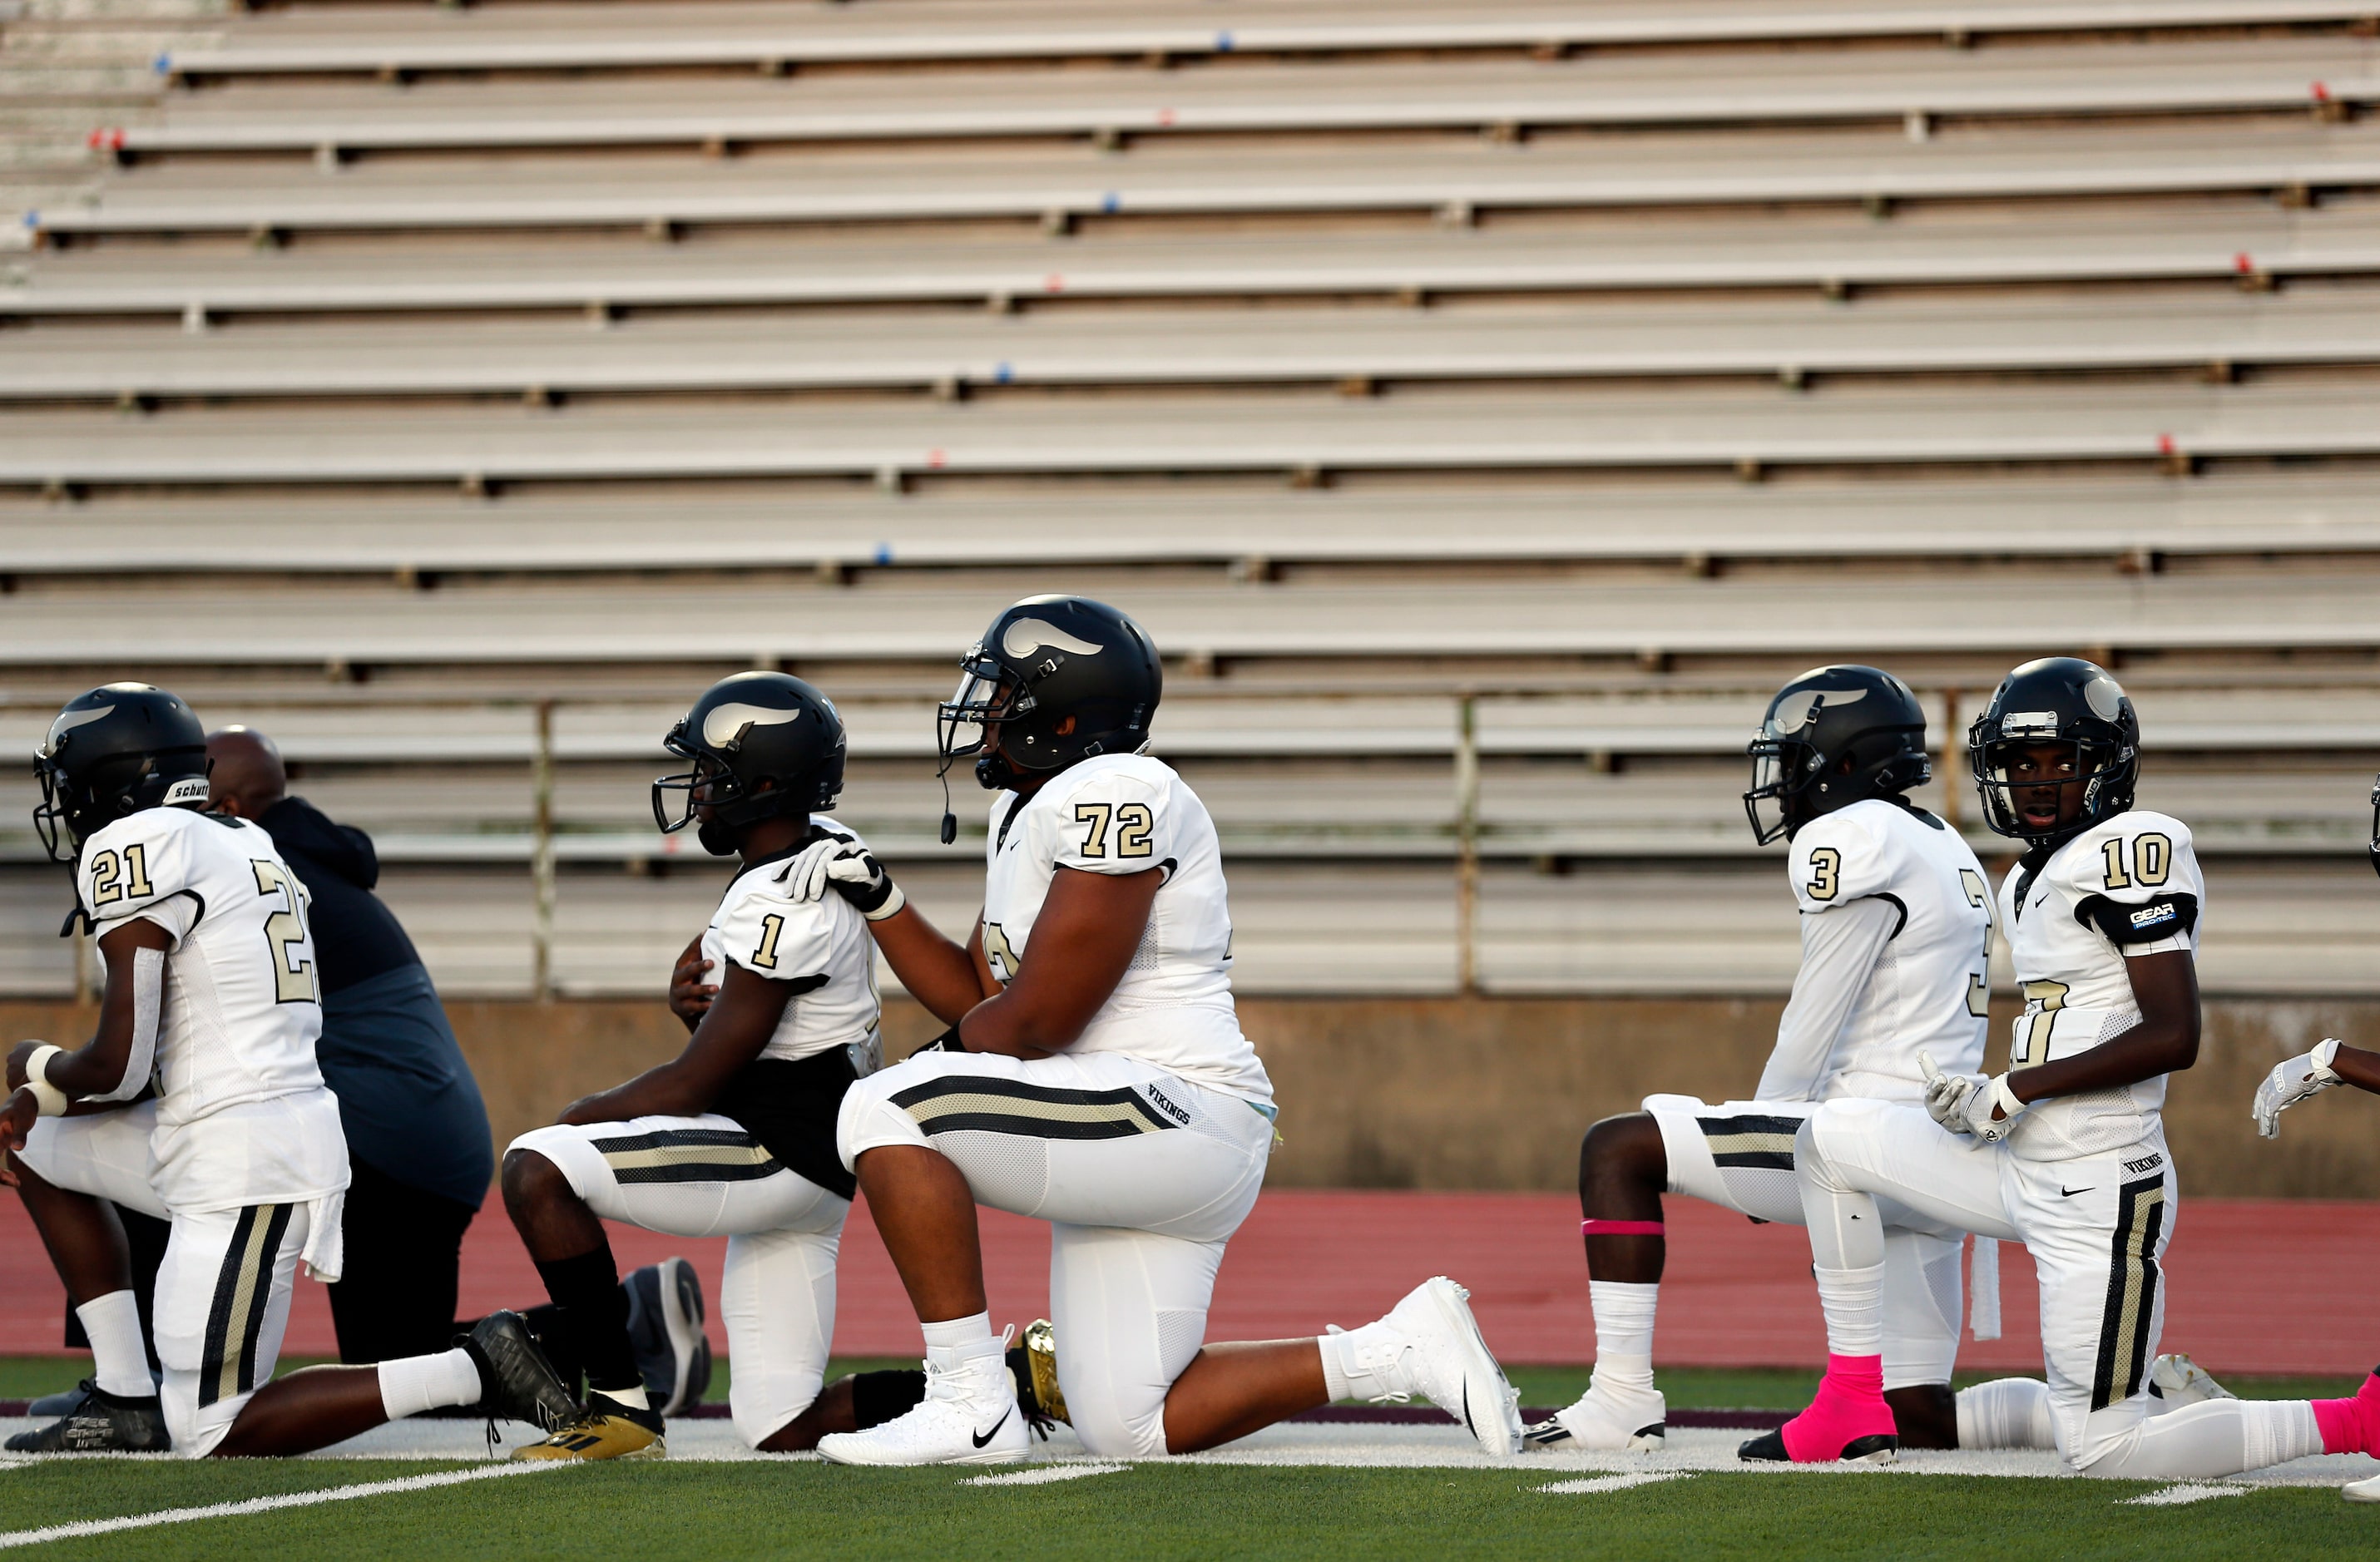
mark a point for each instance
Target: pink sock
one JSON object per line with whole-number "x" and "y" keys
{"x": 2350, "y": 1427}
{"x": 1850, "y": 1405}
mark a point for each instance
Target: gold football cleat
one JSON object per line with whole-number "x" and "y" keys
{"x": 603, "y": 1431}
{"x": 1042, "y": 1356}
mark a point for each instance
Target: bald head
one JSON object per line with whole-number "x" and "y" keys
{"x": 244, "y": 773}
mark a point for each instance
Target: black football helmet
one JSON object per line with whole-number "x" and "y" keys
{"x": 1822, "y": 719}
{"x": 2057, "y": 699}
{"x": 113, "y": 752}
{"x": 762, "y": 743}
{"x": 1064, "y": 678}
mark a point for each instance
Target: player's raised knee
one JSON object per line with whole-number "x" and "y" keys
{"x": 530, "y": 1180}
{"x": 1627, "y": 1146}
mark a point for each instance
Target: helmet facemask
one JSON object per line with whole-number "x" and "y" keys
{"x": 709, "y": 784}
{"x": 987, "y": 696}
{"x": 1780, "y": 768}
{"x": 2098, "y": 769}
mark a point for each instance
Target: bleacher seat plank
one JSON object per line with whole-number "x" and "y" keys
{"x": 2107, "y": 518}
{"x": 133, "y": 623}
{"x": 1193, "y": 347}
{"x": 1282, "y": 432}
{"x": 562, "y": 37}
{"x": 1797, "y": 250}
{"x": 2229, "y": 77}
{"x": 527, "y": 191}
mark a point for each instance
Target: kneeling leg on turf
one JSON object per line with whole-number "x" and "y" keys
{"x": 1131, "y": 1301}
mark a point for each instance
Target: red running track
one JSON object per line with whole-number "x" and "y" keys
{"x": 2255, "y": 1285}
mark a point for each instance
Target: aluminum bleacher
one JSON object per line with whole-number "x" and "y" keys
{"x": 1366, "y": 349}
{"x": 387, "y": 370}
{"x": 2114, "y": 517}
{"x": 1497, "y": 96}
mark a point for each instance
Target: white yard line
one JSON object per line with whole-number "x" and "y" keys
{"x": 1042, "y": 1474}
{"x": 1609, "y": 1484}
{"x": 2189, "y": 1491}
{"x": 267, "y": 1505}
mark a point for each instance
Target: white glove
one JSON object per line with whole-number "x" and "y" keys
{"x": 2291, "y": 1082}
{"x": 1963, "y": 1103}
{"x": 844, "y": 863}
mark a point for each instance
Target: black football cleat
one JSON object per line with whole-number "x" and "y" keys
{"x": 100, "y": 1422}
{"x": 1876, "y": 1449}
{"x": 517, "y": 1382}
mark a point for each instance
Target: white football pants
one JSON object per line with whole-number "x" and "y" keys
{"x": 1739, "y": 1156}
{"x": 225, "y": 1287}
{"x": 1143, "y": 1177}
{"x": 2096, "y": 1228}
{"x": 703, "y": 1176}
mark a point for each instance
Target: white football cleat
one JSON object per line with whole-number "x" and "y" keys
{"x": 2177, "y": 1381}
{"x": 1431, "y": 1344}
{"x": 2367, "y": 1490}
{"x": 1600, "y": 1423}
{"x": 969, "y": 1416}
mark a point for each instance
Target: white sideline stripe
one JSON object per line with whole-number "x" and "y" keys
{"x": 2189, "y": 1491}
{"x": 267, "y": 1505}
{"x": 1042, "y": 1475}
{"x": 1609, "y": 1484}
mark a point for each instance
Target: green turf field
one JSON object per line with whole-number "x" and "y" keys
{"x": 721, "y": 1511}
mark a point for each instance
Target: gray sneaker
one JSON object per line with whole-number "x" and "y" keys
{"x": 100, "y": 1422}
{"x": 665, "y": 1330}
{"x": 517, "y": 1382}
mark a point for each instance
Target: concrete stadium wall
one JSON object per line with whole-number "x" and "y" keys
{"x": 1484, "y": 1093}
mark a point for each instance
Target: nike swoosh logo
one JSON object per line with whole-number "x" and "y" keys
{"x": 983, "y": 1437}
{"x": 2063, "y": 1192}
{"x": 2040, "y": 899}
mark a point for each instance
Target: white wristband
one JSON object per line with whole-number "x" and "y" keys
{"x": 893, "y": 902}
{"x": 48, "y": 1098}
{"x": 2322, "y": 1057}
{"x": 2005, "y": 1098}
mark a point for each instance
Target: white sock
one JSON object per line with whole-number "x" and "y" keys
{"x": 2212, "y": 1438}
{"x": 1362, "y": 1363}
{"x": 119, "y": 1359}
{"x": 1623, "y": 1336}
{"x": 2007, "y": 1412}
{"x": 956, "y": 1341}
{"x": 415, "y": 1383}
{"x": 1853, "y": 1300}
{"x": 1334, "y": 1376}
{"x": 633, "y": 1397}
{"x": 2279, "y": 1431}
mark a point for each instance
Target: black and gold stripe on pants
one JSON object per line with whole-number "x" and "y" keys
{"x": 1039, "y": 1111}
{"x": 689, "y": 1155}
{"x": 243, "y": 1294}
{"x": 1765, "y": 1142}
{"x": 2131, "y": 1292}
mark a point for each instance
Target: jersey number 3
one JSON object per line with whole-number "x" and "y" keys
{"x": 293, "y": 980}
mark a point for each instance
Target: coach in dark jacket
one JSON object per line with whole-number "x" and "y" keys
{"x": 417, "y": 1132}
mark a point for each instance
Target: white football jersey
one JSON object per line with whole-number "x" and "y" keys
{"x": 1123, "y": 814}
{"x": 2127, "y": 886}
{"x": 1929, "y": 990}
{"x": 820, "y": 947}
{"x": 242, "y": 1115}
